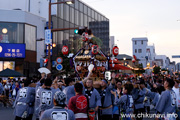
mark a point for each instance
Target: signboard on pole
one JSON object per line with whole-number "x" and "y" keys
{"x": 59, "y": 67}
{"x": 47, "y": 50}
{"x": 48, "y": 39}
{"x": 59, "y": 60}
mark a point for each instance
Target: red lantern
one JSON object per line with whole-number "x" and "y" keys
{"x": 115, "y": 50}
{"x": 65, "y": 50}
{"x": 85, "y": 36}
{"x": 94, "y": 49}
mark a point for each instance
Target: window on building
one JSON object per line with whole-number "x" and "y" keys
{"x": 92, "y": 12}
{"x": 89, "y": 11}
{"x": 135, "y": 50}
{"x": 142, "y": 42}
{"x": 76, "y": 17}
{"x": 30, "y": 37}
{"x": 81, "y": 7}
{"x": 72, "y": 15}
{"x": 81, "y": 19}
{"x": 77, "y": 4}
{"x": 11, "y": 33}
{"x": 85, "y": 9}
{"x": 139, "y": 50}
{"x": 148, "y": 50}
{"x": 135, "y": 42}
{"x": 66, "y": 12}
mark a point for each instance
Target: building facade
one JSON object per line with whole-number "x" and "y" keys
{"x": 150, "y": 54}
{"x": 31, "y": 17}
{"x": 19, "y": 28}
{"x": 139, "y": 49}
{"x": 111, "y": 43}
{"x": 74, "y": 16}
{"x": 162, "y": 61}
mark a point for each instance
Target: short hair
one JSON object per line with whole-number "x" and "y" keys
{"x": 27, "y": 82}
{"x": 90, "y": 79}
{"x": 48, "y": 82}
{"x": 118, "y": 81}
{"x": 69, "y": 80}
{"x": 170, "y": 82}
{"x": 78, "y": 87}
{"x": 129, "y": 87}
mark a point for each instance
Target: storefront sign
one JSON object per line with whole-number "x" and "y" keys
{"x": 9, "y": 50}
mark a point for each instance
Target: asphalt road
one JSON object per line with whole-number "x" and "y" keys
{"x": 7, "y": 113}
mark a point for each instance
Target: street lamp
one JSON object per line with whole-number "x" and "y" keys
{"x": 49, "y": 26}
{"x": 54, "y": 44}
{"x": 69, "y": 2}
{"x": 124, "y": 58}
{"x": 4, "y": 30}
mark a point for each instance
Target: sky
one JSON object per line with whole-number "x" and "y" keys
{"x": 155, "y": 19}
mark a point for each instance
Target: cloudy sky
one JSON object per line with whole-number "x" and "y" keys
{"x": 155, "y": 19}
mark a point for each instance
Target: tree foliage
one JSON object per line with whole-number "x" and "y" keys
{"x": 97, "y": 41}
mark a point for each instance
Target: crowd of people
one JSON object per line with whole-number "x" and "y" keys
{"x": 68, "y": 99}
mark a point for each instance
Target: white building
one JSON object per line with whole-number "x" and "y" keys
{"x": 22, "y": 28}
{"x": 37, "y": 7}
{"x": 162, "y": 61}
{"x": 150, "y": 54}
{"x": 139, "y": 49}
{"x": 111, "y": 43}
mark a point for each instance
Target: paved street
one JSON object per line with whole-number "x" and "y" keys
{"x": 7, "y": 114}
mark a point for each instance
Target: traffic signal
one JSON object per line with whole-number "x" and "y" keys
{"x": 76, "y": 31}
{"x": 45, "y": 62}
{"x": 81, "y": 30}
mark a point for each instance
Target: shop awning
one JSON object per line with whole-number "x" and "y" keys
{"x": 10, "y": 73}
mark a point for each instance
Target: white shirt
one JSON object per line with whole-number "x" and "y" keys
{"x": 177, "y": 91}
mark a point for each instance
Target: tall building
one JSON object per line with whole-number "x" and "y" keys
{"x": 74, "y": 16}
{"x": 139, "y": 49}
{"x": 111, "y": 43}
{"x": 100, "y": 29}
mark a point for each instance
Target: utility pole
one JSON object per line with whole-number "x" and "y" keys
{"x": 49, "y": 45}
{"x": 53, "y": 30}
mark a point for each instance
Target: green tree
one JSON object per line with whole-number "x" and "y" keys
{"x": 97, "y": 41}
